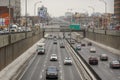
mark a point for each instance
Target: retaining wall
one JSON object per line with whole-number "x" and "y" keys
{"x": 107, "y": 37}
{"x": 13, "y": 45}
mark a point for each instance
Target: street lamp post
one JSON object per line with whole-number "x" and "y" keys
{"x": 9, "y": 15}
{"x": 35, "y": 7}
{"x": 105, "y": 5}
{"x": 70, "y": 23}
{"x": 105, "y": 11}
{"x": 85, "y": 20}
{"x": 93, "y": 12}
{"x": 26, "y": 13}
{"x": 92, "y": 8}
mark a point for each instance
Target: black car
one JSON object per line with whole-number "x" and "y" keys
{"x": 82, "y": 44}
{"x": 52, "y": 72}
{"x": 62, "y": 45}
{"x": 89, "y": 44}
{"x": 55, "y": 41}
{"x": 93, "y": 60}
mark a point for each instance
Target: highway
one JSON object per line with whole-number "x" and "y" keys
{"x": 36, "y": 68}
{"x": 102, "y": 69}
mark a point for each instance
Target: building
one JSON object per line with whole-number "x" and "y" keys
{"x": 43, "y": 14}
{"x": 117, "y": 9}
{"x": 15, "y": 9}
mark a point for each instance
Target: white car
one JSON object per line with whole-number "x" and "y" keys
{"x": 67, "y": 61}
{"x": 78, "y": 47}
{"x": 93, "y": 49}
{"x": 103, "y": 57}
{"x": 53, "y": 57}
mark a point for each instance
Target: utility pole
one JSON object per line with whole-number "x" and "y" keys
{"x": 9, "y": 15}
{"x": 26, "y": 13}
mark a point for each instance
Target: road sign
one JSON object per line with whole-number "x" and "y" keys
{"x": 74, "y": 26}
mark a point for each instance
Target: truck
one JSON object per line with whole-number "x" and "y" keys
{"x": 40, "y": 48}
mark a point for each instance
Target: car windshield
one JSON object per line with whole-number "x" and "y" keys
{"x": 51, "y": 68}
{"x": 115, "y": 62}
{"x": 40, "y": 48}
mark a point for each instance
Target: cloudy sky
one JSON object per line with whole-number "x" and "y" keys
{"x": 59, "y": 7}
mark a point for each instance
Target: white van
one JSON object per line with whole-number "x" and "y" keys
{"x": 40, "y": 48}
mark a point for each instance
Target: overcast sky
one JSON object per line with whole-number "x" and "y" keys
{"x": 59, "y": 7}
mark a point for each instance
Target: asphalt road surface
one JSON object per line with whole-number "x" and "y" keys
{"x": 102, "y": 69}
{"x": 37, "y": 69}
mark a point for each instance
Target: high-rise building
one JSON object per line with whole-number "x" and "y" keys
{"x": 15, "y": 9}
{"x": 117, "y": 9}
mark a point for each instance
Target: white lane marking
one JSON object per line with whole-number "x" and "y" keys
{"x": 61, "y": 67}
{"x": 41, "y": 77}
{"x": 34, "y": 68}
{"x": 45, "y": 62}
{"x": 30, "y": 63}
{"x": 111, "y": 71}
{"x": 42, "y": 70}
{"x": 44, "y": 65}
{"x": 119, "y": 77}
{"x": 69, "y": 51}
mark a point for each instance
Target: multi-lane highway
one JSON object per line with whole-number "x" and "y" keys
{"x": 102, "y": 69}
{"x": 37, "y": 68}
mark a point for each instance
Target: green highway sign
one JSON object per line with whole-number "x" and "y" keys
{"x": 75, "y": 26}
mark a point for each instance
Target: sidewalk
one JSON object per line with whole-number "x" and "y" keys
{"x": 9, "y": 71}
{"x": 113, "y": 50}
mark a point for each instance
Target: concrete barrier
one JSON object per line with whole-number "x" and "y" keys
{"x": 99, "y": 31}
{"x": 113, "y": 32}
{"x": 4, "y": 40}
{"x": 110, "y": 37}
{"x": 17, "y": 37}
{"x": 11, "y": 70}
{"x": 29, "y": 34}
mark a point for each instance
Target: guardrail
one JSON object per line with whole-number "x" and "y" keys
{"x": 86, "y": 69}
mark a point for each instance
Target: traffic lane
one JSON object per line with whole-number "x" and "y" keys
{"x": 32, "y": 69}
{"x": 70, "y": 71}
{"x": 41, "y": 68}
{"x": 100, "y": 50}
{"x": 52, "y": 63}
{"x": 102, "y": 71}
{"x": 103, "y": 68}
{"x": 104, "y": 65}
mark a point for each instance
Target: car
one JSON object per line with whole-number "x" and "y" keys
{"x": 55, "y": 41}
{"x": 82, "y": 44}
{"x": 67, "y": 61}
{"x": 50, "y": 36}
{"x": 103, "y": 57}
{"x": 78, "y": 47}
{"x": 52, "y": 72}
{"x": 13, "y": 28}
{"x": 40, "y": 48}
{"x": 93, "y": 60}
{"x": 89, "y": 44}
{"x": 115, "y": 64}
{"x": 62, "y": 45}
{"x": 92, "y": 49}
{"x": 72, "y": 41}
{"x": 53, "y": 57}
